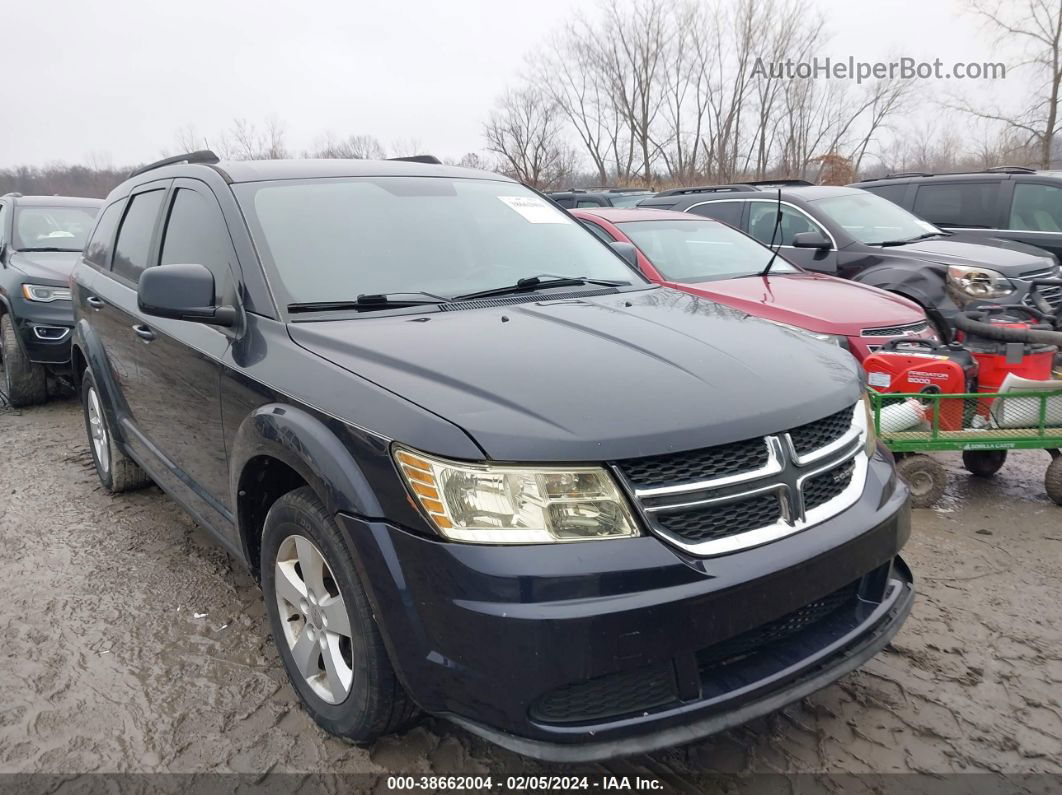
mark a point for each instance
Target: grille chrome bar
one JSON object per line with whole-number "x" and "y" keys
{"x": 787, "y": 474}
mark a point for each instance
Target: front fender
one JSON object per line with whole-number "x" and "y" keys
{"x": 305, "y": 443}
{"x": 922, "y": 283}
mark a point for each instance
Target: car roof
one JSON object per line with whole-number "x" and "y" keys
{"x": 801, "y": 192}
{"x": 619, "y": 215}
{"x": 264, "y": 170}
{"x": 57, "y": 201}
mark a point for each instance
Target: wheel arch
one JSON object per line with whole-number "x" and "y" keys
{"x": 280, "y": 447}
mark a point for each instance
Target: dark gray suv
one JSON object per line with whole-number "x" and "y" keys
{"x": 478, "y": 464}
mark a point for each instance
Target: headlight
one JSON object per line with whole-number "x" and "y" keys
{"x": 871, "y": 437}
{"x": 489, "y": 504}
{"x": 45, "y": 294}
{"x": 832, "y": 339}
{"x": 979, "y": 282}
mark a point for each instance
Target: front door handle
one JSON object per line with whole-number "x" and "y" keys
{"x": 144, "y": 332}
{"x": 94, "y": 302}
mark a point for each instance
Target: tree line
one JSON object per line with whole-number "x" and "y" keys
{"x": 668, "y": 92}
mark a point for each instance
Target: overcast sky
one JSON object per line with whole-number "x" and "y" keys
{"x": 115, "y": 79}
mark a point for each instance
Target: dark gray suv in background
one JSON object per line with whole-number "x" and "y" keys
{"x": 41, "y": 238}
{"x": 479, "y": 465}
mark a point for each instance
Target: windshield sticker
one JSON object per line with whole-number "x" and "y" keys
{"x": 535, "y": 211}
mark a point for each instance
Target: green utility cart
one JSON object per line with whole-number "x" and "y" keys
{"x": 983, "y": 426}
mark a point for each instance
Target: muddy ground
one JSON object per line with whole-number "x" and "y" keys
{"x": 130, "y": 642}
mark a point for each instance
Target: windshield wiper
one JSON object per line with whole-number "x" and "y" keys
{"x": 886, "y": 243}
{"x": 369, "y": 302}
{"x": 48, "y": 248}
{"x": 529, "y": 283}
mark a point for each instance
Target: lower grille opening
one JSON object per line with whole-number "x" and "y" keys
{"x": 608, "y": 696}
{"x": 770, "y": 645}
{"x": 723, "y": 520}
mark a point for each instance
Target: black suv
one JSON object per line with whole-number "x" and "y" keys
{"x": 41, "y": 238}
{"x": 857, "y": 235}
{"x": 576, "y": 513}
{"x": 599, "y": 197}
{"x": 1009, "y": 203}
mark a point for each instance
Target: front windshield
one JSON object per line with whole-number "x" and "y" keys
{"x": 700, "y": 250}
{"x": 64, "y": 228}
{"x": 873, "y": 220}
{"x": 336, "y": 239}
{"x": 628, "y": 199}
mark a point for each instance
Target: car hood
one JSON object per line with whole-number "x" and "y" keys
{"x": 594, "y": 379}
{"x": 820, "y": 303}
{"x": 53, "y": 266}
{"x": 1012, "y": 261}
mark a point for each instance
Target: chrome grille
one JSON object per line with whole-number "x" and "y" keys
{"x": 1053, "y": 296}
{"x": 717, "y": 500}
{"x": 908, "y": 329}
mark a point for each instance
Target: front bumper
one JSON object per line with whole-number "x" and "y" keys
{"x": 861, "y": 347}
{"x": 591, "y": 650}
{"x": 44, "y": 331}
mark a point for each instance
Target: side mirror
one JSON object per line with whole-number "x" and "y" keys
{"x": 182, "y": 292}
{"x": 627, "y": 251}
{"x": 810, "y": 240}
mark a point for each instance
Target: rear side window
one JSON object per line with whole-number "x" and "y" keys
{"x": 133, "y": 246}
{"x": 589, "y": 203}
{"x": 893, "y": 193}
{"x": 727, "y": 212}
{"x": 195, "y": 233}
{"x": 958, "y": 204}
{"x": 1036, "y": 207}
{"x": 98, "y": 250}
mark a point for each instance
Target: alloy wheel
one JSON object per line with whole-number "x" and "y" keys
{"x": 315, "y": 619}
{"x": 98, "y": 431}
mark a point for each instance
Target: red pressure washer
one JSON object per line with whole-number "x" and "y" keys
{"x": 996, "y": 342}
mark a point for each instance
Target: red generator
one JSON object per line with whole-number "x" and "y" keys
{"x": 924, "y": 366}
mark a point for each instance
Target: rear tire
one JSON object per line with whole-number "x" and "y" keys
{"x": 323, "y": 625}
{"x": 1053, "y": 480}
{"x": 983, "y": 463}
{"x": 925, "y": 477}
{"x": 25, "y": 383}
{"x": 117, "y": 471}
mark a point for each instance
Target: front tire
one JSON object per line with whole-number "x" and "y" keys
{"x": 323, "y": 625}
{"x": 25, "y": 383}
{"x": 117, "y": 471}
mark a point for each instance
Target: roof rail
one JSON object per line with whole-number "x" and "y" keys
{"x": 201, "y": 156}
{"x": 731, "y": 188}
{"x": 1011, "y": 170}
{"x": 771, "y": 183}
{"x": 12, "y": 195}
{"x": 431, "y": 160}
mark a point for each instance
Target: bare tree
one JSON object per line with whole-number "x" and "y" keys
{"x": 353, "y": 147}
{"x": 524, "y": 131}
{"x": 1036, "y": 27}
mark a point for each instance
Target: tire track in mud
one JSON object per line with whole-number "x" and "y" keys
{"x": 133, "y": 643}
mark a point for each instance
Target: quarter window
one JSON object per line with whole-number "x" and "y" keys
{"x": 598, "y": 231}
{"x": 969, "y": 204}
{"x": 133, "y": 246}
{"x": 98, "y": 250}
{"x": 893, "y": 193}
{"x": 195, "y": 233}
{"x": 1036, "y": 207}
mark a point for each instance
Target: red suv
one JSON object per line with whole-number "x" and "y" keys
{"x": 711, "y": 259}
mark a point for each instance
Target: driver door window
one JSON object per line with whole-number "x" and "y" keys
{"x": 762, "y": 218}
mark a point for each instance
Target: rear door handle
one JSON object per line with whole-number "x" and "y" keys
{"x": 144, "y": 332}
{"x": 94, "y": 302}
